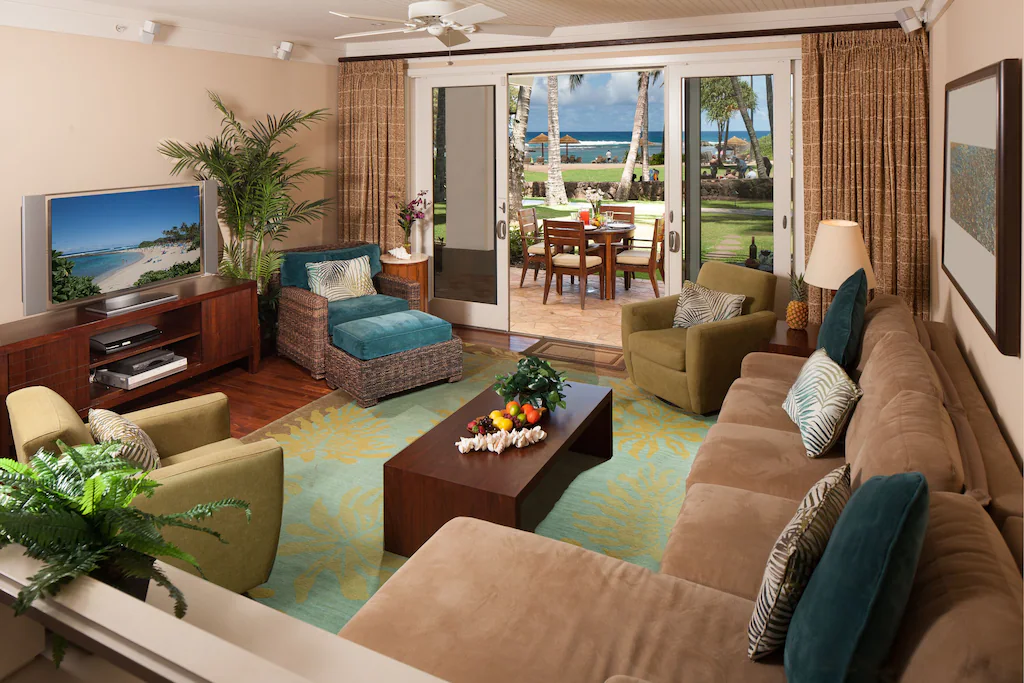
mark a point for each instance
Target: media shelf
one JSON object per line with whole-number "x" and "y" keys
{"x": 212, "y": 323}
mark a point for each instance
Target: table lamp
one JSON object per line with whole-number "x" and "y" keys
{"x": 838, "y": 253}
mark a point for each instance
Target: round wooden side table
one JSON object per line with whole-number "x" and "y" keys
{"x": 414, "y": 268}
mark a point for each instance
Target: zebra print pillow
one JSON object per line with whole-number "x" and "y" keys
{"x": 136, "y": 446}
{"x": 793, "y": 559}
{"x": 820, "y": 402}
{"x": 337, "y": 280}
{"x": 699, "y": 305}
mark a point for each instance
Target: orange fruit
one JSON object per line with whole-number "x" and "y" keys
{"x": 512, "y": 408}
{"x": 532, "y": 416}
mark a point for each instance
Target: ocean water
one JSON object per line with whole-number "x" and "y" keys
{"x": 596, "y": 143}
{"x": 97, "y": 265}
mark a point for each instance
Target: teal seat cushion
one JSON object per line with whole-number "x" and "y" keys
{"x": 843, "y": 326}
{"x": 384, "y": 335}
{"x": 847, "y": 619}
{"x": 360, "y": 307}
{"x": 293, "y": 263}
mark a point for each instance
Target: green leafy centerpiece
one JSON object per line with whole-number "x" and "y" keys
{"x": 534, "y": 382}
{"x": 74, "y": 512}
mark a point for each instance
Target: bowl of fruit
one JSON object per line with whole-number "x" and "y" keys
{"x": 513, "y": 416}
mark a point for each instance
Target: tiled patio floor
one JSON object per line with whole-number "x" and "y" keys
{"x": 562, "y": 318}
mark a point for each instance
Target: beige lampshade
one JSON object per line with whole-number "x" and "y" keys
{"x": 838, "y": 253}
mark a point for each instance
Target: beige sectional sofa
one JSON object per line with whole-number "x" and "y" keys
{"x": 483, "y": 602}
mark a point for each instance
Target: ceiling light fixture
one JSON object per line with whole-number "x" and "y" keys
{"x": 284, "y": 50}
{"x": 147, "y": 34}
{"x": 909, "y": 20}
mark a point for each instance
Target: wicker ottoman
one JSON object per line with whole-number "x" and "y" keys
{"x": 368, "y": 381}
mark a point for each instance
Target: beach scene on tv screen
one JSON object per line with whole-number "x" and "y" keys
{"x": 105, "y": 243}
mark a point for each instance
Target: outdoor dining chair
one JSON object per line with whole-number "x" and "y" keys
{"x": 644, "y": 260}
{"x": 562, "y": 236}
{"x": 533, "y": 243}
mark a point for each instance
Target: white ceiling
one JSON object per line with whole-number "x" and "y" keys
{"x": 309, "y": 19}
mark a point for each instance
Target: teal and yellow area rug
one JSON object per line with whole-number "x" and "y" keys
{"x": 331, "y": 558}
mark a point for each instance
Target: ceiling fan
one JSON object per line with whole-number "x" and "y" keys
{"x": 447, "y": 22}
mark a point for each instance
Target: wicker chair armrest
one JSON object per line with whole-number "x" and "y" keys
{"x": 300, "y": 301}
{"x": 392, "y": 285}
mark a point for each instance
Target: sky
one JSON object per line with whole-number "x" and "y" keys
{"x": 607, "y": 102}
{"x": 119, "y": 219}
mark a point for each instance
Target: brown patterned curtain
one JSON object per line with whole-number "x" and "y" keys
{"x": 371, "y": 151}
{"x": 865, "y": 138}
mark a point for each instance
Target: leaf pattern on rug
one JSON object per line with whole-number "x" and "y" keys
{"x": 631, "y": 517}
{"x": 645, "y": 426}
{"x": 347, "y": 545}
{"x": 346, "y": 434}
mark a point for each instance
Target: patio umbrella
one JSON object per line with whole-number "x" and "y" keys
{"x": 568, "y": 140}
{"x": 737, "y": 143}
{"x": 541, "y": 140}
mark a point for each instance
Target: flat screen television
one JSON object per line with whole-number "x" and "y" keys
{"x": 98, "y": 244}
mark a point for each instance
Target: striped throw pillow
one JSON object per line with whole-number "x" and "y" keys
{"x": 793, "y": 559}
{"x": 820, "y": 402}
{"x": 337, "y": 280}
{"x": 136, "y": 446}
{"x": 699, "y": 305}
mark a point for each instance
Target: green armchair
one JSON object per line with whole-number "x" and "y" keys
{"x": 199, "y": 463}
{"x": 694, "y": 367}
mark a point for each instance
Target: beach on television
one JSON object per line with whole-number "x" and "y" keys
{"x": 104, "y": 243}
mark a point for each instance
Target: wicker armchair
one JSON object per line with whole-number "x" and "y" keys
{"x": 302, "y": 316}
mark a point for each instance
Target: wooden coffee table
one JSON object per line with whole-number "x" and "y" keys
{"x": 430, "y": 482}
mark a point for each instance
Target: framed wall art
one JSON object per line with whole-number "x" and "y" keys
{"x": 981, "y": 227}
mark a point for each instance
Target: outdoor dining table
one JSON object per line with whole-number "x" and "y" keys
{"x": 609, "y": 236}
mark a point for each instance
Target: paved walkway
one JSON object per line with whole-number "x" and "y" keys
{"x": 561, "y": 317}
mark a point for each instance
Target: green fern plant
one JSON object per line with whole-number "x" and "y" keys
{"x": 74, "y": 512}
{"x": 257, "y": 181}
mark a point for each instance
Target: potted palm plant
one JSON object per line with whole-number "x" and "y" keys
{"x": 74, "y": 513}
{"x": 257, "y": 181}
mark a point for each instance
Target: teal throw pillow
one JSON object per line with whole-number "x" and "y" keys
{"x": 843, "y": 326}
{"x": 848, "y": 617}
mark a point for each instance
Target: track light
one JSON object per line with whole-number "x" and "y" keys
{"x": 147, "y": 34}
{"x": 284, "y": 50}
{"x": 909, "y": 20}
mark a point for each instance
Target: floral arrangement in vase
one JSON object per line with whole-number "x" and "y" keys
{"x": 595, "y": 197}
{"x": 410, "y": 212}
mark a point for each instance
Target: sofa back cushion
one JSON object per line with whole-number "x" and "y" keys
{"x": 898, "y": 363}
{"x": 757, "y": 285}
{"x": 293, "y": 263}
{"x": 963, "y": 622}
{"x": 884, "y": 314}
{"x": 1005, "y": 484}
{"x": 912, "y": 433}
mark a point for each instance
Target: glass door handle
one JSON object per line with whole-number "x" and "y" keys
{"x": 673, "y": 241}
{"x": 501, "y": 229}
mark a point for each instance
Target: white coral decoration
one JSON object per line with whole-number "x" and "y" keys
{"x": 499, "y": 441}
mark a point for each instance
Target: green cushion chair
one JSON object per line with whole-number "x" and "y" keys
{"x": 694, "y": 367}
{"x": 199, "y": 463}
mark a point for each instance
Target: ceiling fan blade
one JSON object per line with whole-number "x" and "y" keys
{"x": 349, "y": 15}
{"x": 452, "y": 38}
{"x": 363, "y": 34}
{"x": 474, "y": 14}
{"x": 516, "y": 30}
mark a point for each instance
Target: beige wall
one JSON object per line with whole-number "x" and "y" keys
{"x": 972, "y": 34}
{"x": 81, "y": 113}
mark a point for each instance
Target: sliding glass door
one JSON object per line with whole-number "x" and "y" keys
{"x": 730, "y": 127}
{"x": 461, "y": 160}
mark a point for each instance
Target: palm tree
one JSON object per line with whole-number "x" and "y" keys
{"x": 646, "y": 142}
{"x": 626, "y": 181}
{"x": 555, "y": 192}
{"x": 518, "y": 148}
{"x": 746, "y": 100}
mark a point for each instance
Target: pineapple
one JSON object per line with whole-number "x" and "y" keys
{"x": 796, "y": 311}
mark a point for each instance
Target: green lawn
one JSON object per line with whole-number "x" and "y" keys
{"x": 597, "y": 174}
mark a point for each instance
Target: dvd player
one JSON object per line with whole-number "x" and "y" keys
{"x": 123, "y": 338}
{"x": 142, "y": 362}
{"x": 125, "y": 381}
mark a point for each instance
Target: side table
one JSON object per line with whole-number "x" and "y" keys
{"x": 793, "y": 342}
{"x": 414, "y": 268}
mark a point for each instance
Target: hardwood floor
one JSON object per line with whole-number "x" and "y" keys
{"x": 281, "y": 386}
